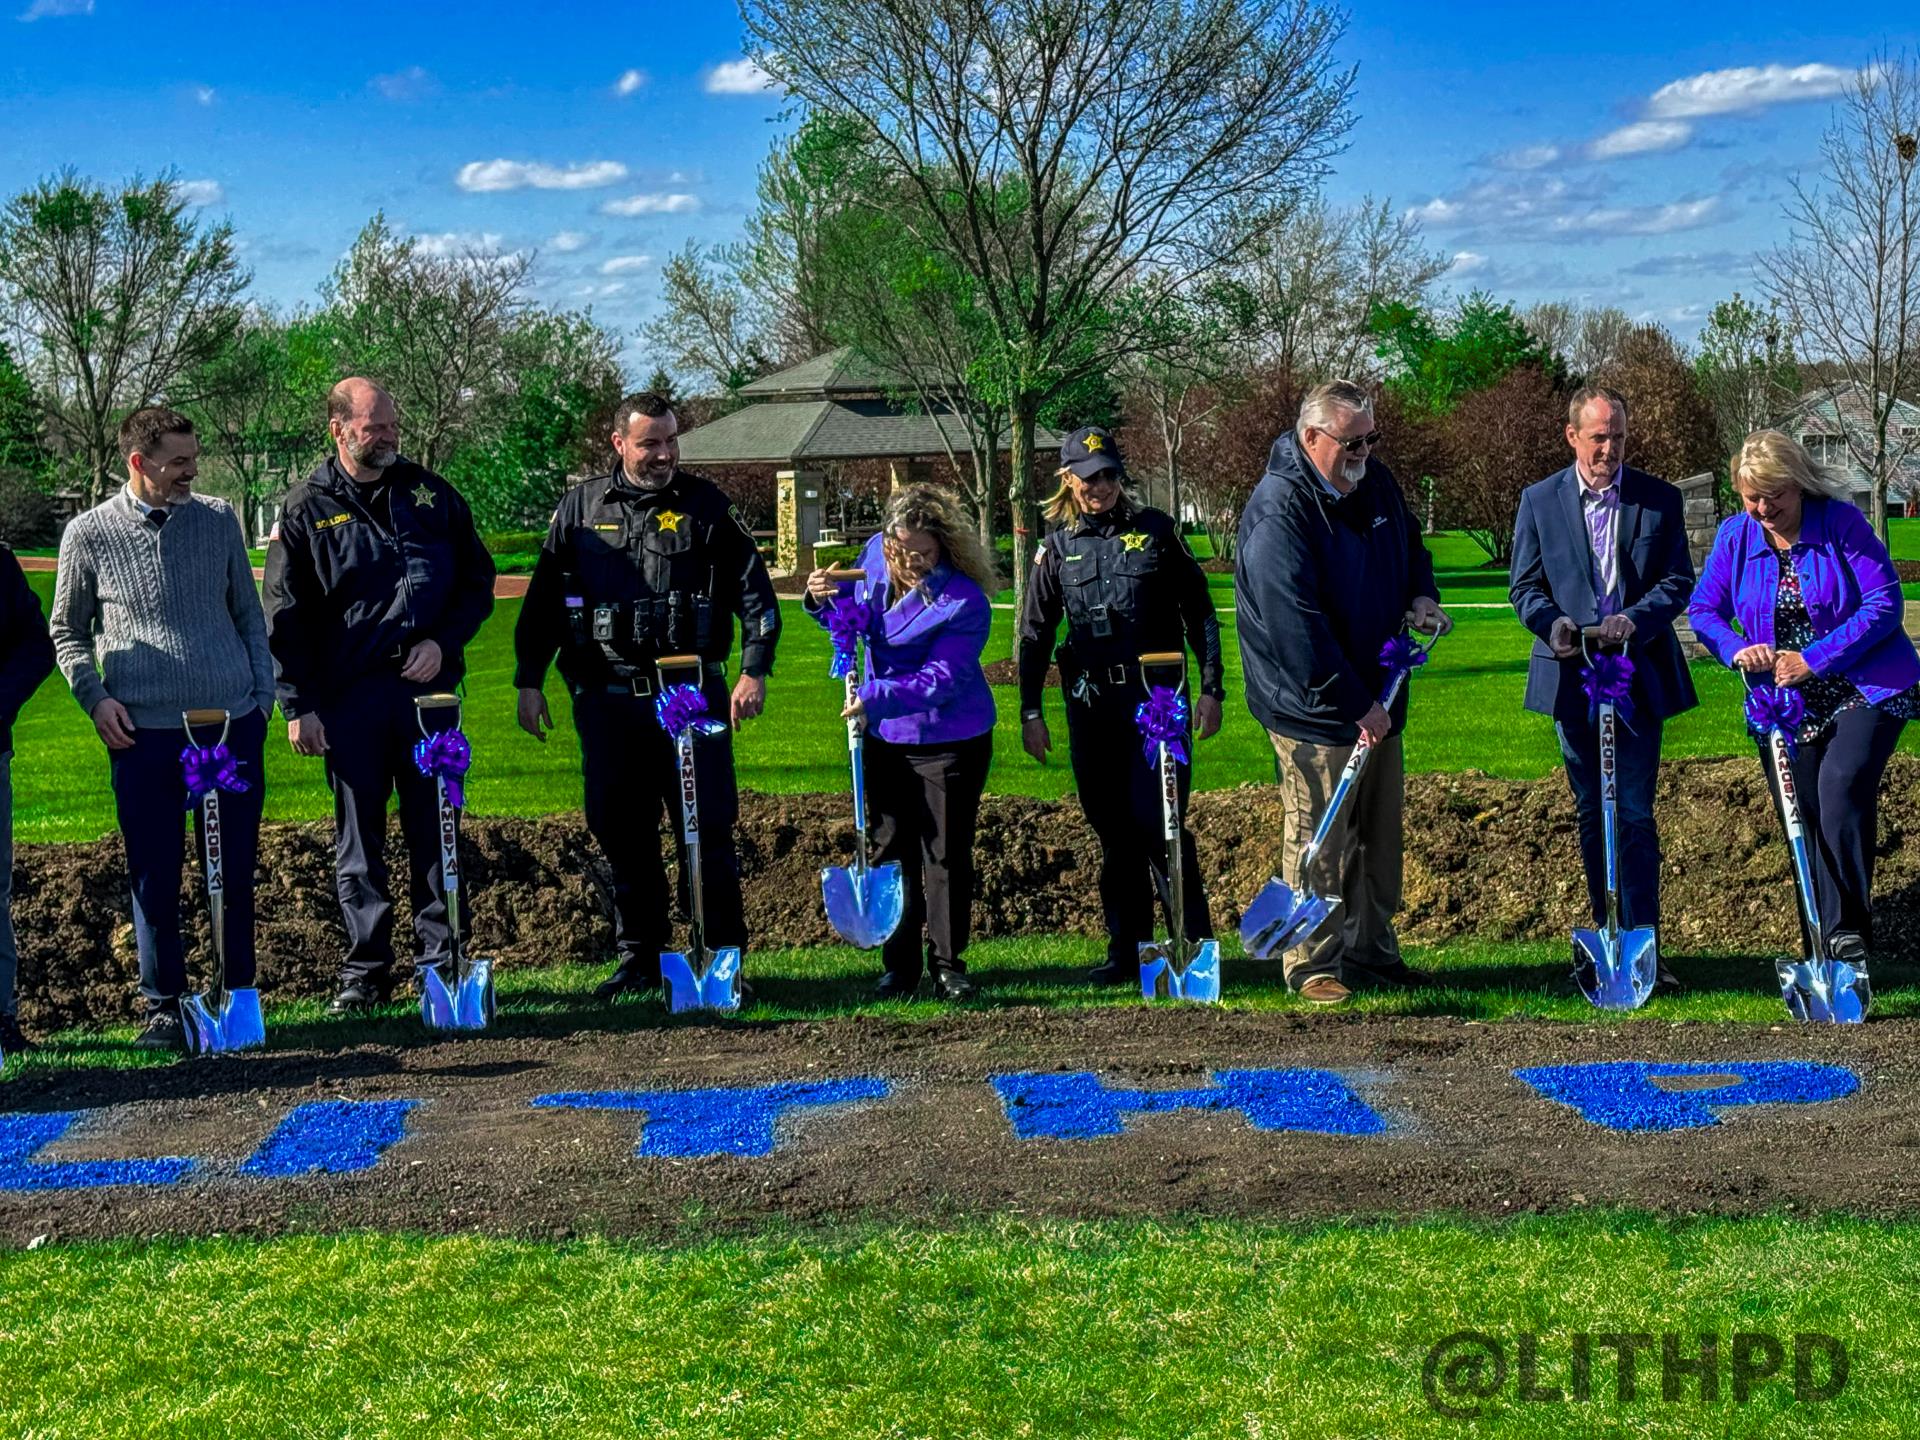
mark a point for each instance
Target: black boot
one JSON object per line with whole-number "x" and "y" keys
{"x": 361, "y": 994}
{"x": 633, "y": 973}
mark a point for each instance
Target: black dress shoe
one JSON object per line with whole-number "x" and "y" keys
{"x": 12, "y": 1042}
{"x": 631, "y": 974}
{"x": 1665, "y": 982}
{"x": 895, "y": 986}
{"x": 1403, "y": 976}
{"x": 358, "y": 995}
{"x": 163, "y": 1032}
{"x": 1115, "y": 972}
{"x": 954, "y": 985}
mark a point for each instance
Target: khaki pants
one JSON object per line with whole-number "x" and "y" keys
{"x": 1360, "y": 862}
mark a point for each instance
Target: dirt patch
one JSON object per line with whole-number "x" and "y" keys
{"x": 1485, "y": 858}
{"x": 1007, "y": 672}
{"x": 1459, "y": 1133}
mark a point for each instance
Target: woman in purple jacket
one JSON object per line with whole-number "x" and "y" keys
{"x": 929, "y": 716}
{"x": 1818, "y": 606}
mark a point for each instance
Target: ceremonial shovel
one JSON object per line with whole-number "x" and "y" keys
{"x": 709, "y": 980}
{"x": 222, "y": 1019}
{"x": 1277, "y": 919}
{"x": 864, "y": 902}
{"x": 1819, "y": 988}
{"x": 1616, "y": 969}
{"x": 464, "y": 999}
{"x": 1176, "y": 967}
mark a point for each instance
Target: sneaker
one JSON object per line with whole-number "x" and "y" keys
{"x": 163, "y": 1032}
{"x": 954, "y": 985}
{"x": 359, "y": 995}
{"x": 1849, "y": 947}
{"x": 1325, "y": 990}
{"x": 12, "y": 1042}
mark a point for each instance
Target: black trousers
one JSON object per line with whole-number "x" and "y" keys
{"x": 632, "y": 775}
{"x": 1119, "y": 792}
{"x": 926, "y": 806}
{"x": 1837, "y": 782}
{"x": 150, "y": 795}
{"x": 371, "y": 733}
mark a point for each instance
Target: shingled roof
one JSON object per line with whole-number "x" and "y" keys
{"x": 832, "y": 407}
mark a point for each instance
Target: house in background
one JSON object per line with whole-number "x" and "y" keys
{"x": 1822, "y": 421}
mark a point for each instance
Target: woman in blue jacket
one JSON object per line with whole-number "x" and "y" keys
{"x": 1817, "y": 604}
{"x": 929, "y": 716}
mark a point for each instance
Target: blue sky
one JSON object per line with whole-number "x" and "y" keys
{"x": 1637, "y": 157}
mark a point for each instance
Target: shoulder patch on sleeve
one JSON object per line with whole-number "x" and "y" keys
{"x": 733, "y": 514}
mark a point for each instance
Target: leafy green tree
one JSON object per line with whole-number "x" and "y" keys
{"x": 1433, "y": 362}
{"x": 21, "y": 448}
{"x": 1745, "y": 369}
{"x": 114, "y": 297}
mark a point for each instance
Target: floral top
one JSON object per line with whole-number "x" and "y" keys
{"x": 1826, "y": 695}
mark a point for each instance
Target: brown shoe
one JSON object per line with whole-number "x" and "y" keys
{"x": 1325, "y": 990}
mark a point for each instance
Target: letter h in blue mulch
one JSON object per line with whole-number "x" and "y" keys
{"x": 1080, "y": 1106}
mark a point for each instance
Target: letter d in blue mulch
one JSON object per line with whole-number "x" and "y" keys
{"x": 1081, "y": 1107}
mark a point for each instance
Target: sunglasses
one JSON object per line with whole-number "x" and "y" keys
{"x": 1353, "y": 446}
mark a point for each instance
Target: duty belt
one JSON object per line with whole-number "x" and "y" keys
{"x": 645, "y": 684}
{"x": 1087, "y": 683}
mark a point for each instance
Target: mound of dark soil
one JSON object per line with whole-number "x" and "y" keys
{"x": 1485, "y": 857}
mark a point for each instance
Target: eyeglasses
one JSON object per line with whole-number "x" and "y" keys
{"x": 1353, "y": 446}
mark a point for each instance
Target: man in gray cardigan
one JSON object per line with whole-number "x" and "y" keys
{"x": 155, "y": 613}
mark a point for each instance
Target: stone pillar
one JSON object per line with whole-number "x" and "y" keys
{"x": 902, "y": 473}
{"x": 1701, "y": 514}
{"x": 797, "y": 519}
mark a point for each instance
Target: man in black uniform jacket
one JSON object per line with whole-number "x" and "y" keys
{"x": 1127, "y": 585}
{"x": 376, "y": 582}
{"x": 646, "y": 562}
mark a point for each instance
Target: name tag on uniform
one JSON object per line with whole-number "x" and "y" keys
{"x": 606, "y": 527}
{"x": 331, "y": 521}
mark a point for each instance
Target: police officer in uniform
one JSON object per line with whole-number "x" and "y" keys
{"x": 646, "y": 562}
{"x": 376, "y": 582}
{"x": 1127, "y": 585}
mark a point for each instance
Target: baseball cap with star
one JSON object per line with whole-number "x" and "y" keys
{"x": 1090, "y": 450}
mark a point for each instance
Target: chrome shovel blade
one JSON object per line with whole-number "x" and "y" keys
{"x": 466, "y": 1005}
{"x": 235, "y": 1025}
{"x": 864, "y": 909}
{"x": 1277, "y": 919}
{"x": 717, "y": 989}
{"x": 1616, "y": 970}
{"x": 1824, "y": 992}
{"x": 1161, "y": 979}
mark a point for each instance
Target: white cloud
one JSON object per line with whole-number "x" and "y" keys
{"x": 675, "y": 204}
{"x": 1693, "y": 264}
{"x": 626, "y": 264}
{"x": 1553, "y": 207}
{"x": 51, "y": 9}
{"x": 1643, "y": 219}
{"x": 1467, "y": 262}
{"x": 203, "y": 94}
{"x": 451, "y": 243}
{"x": 738, "y": 77}
{"x": 590, "y": 291}
{"x": 1640, "y": 138}
{"x": 629, "y": 81}
{"x": 568, "y": 241}
{"x": 1527, "y": 157}
{"x": 1750, "y": 87}
{"x": 488, "y": 175}
{"x": 201, "y": 192}
{"x": 412, "y": 83}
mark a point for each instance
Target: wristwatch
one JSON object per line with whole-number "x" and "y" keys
{"x": 1026, "y": 715}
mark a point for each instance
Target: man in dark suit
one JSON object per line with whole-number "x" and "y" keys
{"x": 1603, "y": 544}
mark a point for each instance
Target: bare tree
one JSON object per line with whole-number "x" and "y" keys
{"x": 1848, "y": 282}
{"x": 1059, "y": 151}
{"x": 430, "y": 327}
{"x": 1321, "y": 273}
{"x": 1587, "y": 338}
{"x": 1746, "y": 370}
{"x": 711, "y": 328}
{"x": 111, "y": 298}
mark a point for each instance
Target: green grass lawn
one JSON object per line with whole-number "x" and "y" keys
{"x": 1478, "y": 675}
{"x": 987, "y": 1329}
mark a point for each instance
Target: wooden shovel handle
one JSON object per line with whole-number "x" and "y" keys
{"x": 1164, "y": 657}
{"x": 840, "y": 577}
{"x": 678, "y": 662}
{"x": 205, "y": 717}
{"x": 442, "y": 701}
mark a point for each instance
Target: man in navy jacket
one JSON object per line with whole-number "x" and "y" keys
{"x": 1330, "y": 567}
{"x": 1602, "y": 544}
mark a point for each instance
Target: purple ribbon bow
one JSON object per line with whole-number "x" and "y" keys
{"x": 1608, "y": 680}
{"x": 1402, "y": 652}
{"x": 445, "y": 755}
{"x": 1162, "y": 718}
{"x": 847, "y": 620}
{"x": 205, "y": 766}
{"x": 678, "y": 707}
{"x": 1776, "y": 707}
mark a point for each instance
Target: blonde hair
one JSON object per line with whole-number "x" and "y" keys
{"x": 1770, "y": 462}
{"x": 1063, "y": 507}
{"x": 940, "y": 513}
